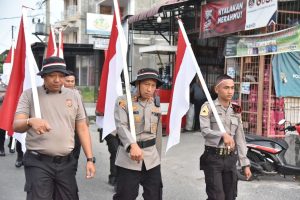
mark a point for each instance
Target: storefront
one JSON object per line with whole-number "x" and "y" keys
{"x": 255, "y": 90}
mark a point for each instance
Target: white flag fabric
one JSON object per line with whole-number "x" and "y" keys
{"x": 60, "y": 52}
{"x": 184, "y": 72}
{"x": 111, "y": 85}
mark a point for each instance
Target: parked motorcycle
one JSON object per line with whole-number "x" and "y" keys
{"x": 270, "y": 156}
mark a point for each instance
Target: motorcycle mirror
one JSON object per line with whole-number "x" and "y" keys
{"x": 281, "y": 122}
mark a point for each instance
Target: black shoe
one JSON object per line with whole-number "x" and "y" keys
{"x": 12, "y": 150}
{"x": 2, "y": 153}
{"x": 19, "y": 163}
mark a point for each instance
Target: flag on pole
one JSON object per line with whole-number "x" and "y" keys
{"x": 51, "y": 46}
{"x": 60, "y": 52}
{"x": 23, "y": 76}
{"x": 7, "y": 65}
{"x": 184, "y": 73}
{"x": 110, "y": 83}
{"x": 186, "y": 68}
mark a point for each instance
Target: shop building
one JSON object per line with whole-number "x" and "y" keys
{"x": 262, "y": 110}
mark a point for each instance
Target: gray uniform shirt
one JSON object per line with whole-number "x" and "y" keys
{"x": 232, "y": 123}
{"x": 61, "y": 110}
{"x": 148, "y": 126}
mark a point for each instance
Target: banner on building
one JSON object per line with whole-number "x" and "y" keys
{"x": 286, "y": 73}
{"x": 229, "y": 16}
{"x": 273, "y": 43}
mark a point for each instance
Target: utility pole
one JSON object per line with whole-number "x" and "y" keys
{"x": 47, "y": 24}
{"x": 12, "y": 33}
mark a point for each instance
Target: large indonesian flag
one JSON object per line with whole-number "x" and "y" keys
{"x": 184, "y": 72}
{"x": 7, "y": 65}
{"x": 23, "y": 76}
{"x": 110, "y": 84}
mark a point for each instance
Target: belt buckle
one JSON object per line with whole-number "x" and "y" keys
{"x": 221, "y": 151}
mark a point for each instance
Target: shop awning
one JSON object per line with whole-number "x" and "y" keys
{"x": 147, "y": 20}
{"x": 155, "y": 10}
{"x": 158, "y": 49}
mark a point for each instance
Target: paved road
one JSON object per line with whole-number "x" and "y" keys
{"x": 180, "y": 170}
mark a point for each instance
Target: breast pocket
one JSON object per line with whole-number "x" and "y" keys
{"x": 154, "y": 122}
{"x": 137, "y": 117}
{"x": 234, "y": 125}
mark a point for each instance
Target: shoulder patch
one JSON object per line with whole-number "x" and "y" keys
{"x": 204, "y": 111}
{"x": 122, "y": 103}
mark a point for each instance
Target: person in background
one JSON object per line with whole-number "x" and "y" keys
{"x": 49, "y": 164}
{"x": 69, "y": 82}
{"x": 223, "y": 150}
{"x": 198, "y": 99}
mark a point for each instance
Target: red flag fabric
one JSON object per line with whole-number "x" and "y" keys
{"x": 110, "y": 83}
{"x": 15, "y": 86}
{"x": 9, "y": 56}
{"x": 51, "y": 48}
{"x": 184, "y": 72}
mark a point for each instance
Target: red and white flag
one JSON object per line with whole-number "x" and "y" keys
{"x": 184, "y": 72}
{"x": 7, "y": 65}
{"x": 60, "y": 52}
{"x": 51, "y": 46}
{"x": 23, "y": 76}
{"x": 110, "y": 83}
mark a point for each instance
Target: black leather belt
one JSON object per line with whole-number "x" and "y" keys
{"x": 144, "y": 144}
{"x": 218, "y": 151}
{"x": 54, "y": 159}
{"x": 147, "y": 143}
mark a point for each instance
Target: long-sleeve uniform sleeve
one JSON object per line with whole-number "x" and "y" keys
{"x": 122, "y": 123}
{"x": 241, "y": 145}
{"x": 209, "y": 126}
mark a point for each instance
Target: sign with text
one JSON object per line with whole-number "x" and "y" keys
{"x": 229, "y": 16}
{"x": 286, "y": 73}
{"x": 265, "y": 44}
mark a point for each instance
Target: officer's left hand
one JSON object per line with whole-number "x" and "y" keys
{"x": 90, "y": 170}
{"x": 247, "y": 173}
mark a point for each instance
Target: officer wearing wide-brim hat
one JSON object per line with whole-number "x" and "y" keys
{"x": 53, "y": 64}
{"x": 139, "y": 161}
{"x": 147, "y": 73}
{"x": 49, "y": 164}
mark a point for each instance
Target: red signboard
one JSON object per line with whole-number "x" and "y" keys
{"x": 223, "y": 17}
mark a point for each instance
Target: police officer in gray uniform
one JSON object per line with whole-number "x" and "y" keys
{"x": 223, "y": 150}
{"x": 49, "y": 164}
{"x": 138, "y": 161}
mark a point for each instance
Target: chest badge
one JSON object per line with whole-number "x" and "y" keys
{"x": 69, "y": 102}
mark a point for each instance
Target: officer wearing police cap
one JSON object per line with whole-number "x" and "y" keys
{"x": 48, "y": 162}
{"x": 138, "y": 161}
{"x": 223, "y": 150}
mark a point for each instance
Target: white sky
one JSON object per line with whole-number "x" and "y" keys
{"x": 12, "y": 9}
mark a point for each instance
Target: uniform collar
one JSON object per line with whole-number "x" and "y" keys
{"x": 217, "y": 103}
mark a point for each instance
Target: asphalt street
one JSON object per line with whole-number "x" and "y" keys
{"x": 182, "y": 178}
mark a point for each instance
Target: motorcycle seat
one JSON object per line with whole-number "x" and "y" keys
{"x": 251, "y": 138}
